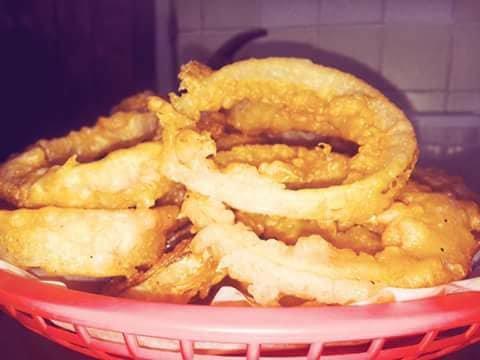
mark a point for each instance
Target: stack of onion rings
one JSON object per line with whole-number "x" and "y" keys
{"x": 319, "y": 99}
{"x": 300, "y": 221}
{"x": 425, "y": 239}
{"x": 288, "y": 178}
{"x": 85, "y": 200}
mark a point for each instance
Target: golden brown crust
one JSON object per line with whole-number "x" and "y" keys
{"x": 96, "y": 243}
{"x": 177, "y": 277}
{"x": 359, "y": 238}
{"x": 294, "y": 166}
{"x": 426, "y": 240}
{"x": 292, "y": 223}
{"x": 70, "y": 171}
{"x": 135, "y": 103}
{"x": 351, "y": 109}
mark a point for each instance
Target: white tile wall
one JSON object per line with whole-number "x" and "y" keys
{"x": 416, "y": 57}
{"x": 190, "y": 47}
{"x": 201, "y": 45}
{"x": 412, "y": 11}
{"x": 364, "y": 47}
{"x": 213, "y": 39}
{"x": 429, "y": 101}
{"x": 429, "y": 49}
{"x": 464, "y": 101}
{"x": 466, "y": 10}
{"x": 297, "y": 42}
{"x": 229, "y": 13}
{"x": 350, "y": 11}
{"x": 465, "y": 72}
{"x": 188, "y": 14}
{"x": 283, "y": 13}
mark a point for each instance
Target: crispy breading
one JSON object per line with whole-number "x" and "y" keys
{"x": 95, "y": 243}
{"x": 295, "y": 166}
{"x": 359, "y": 238}
{"x": 95, "y": 168}
{"x": 136, "y": 103}
{"x": 387, "y": 145}
{"x": 426, "y": 239}
{"x": 177, "y": 277}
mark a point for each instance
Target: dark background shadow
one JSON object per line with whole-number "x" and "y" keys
{"x": 64, "y": 63}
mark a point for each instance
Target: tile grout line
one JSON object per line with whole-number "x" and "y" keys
{"x": 451, "y": 40}
{"x": 319, "y": 11}
{"x": 449, "y": 65}
{"x": 317, "y": 25}
{"x": 258, "y": 13}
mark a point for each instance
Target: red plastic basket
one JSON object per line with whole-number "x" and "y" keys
{"x": 425, "y": 329}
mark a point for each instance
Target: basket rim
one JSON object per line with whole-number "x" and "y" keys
{"x": 238, "y": 324}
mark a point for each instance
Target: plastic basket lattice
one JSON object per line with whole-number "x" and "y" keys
{"x": 114, "y": 328}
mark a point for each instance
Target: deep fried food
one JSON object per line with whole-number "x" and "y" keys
{"x": 174, "y": 196}
{"x": 326, "y": 99}
{"x": 203, "y": 211}
{"x": 286, "y": 179}
{"x": 359, "y": 238}
{"x": 364, "y": 237}
{"x": 426, "y": 240}
{"x": 180, "y": 231}
{"x": 135, "y": 103}
{"x": 297, "y": 167}
{"x": 70, "y": 171}
{"x": 257, "y": 118}
{"x": 229, "y": 131}
{"x": 440, "y": 181}
{"x": 177, "y": 277}
{"x": 95, "y": 243}
{"x": 215, "y": 123}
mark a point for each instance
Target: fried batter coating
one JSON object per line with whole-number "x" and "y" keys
{"x": 70, "y": 171}
{"x": 215, "y": 123}
{"x": 387, "y": 146}
{"x": 256, "y": 118}
{"x": 359, "y": 238}
{"x": 297, "y": 167}
{"x": 118, "y": 131}
{"x": 229, "y": 131}
{"x": 364, "y": 237}
{"x": 203, "y": 211}
{"x": 94, "y": 243}
{"x": 135, "y": 103}
{"x": 177, "y": 277}
{"x": 426, "y": 240}
{"x": 440, "y": 181}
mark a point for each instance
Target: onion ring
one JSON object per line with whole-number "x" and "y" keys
{"x": 177, "y": 277}
{"x": 215, "y": 123}
{"x": 95, "y": 243}
{"x": 297, "y": 167}
{"x": 362, "y": 237}
{"x": 58, "y": 172}
{"x": 359, "y": 238}
{"x": 357, "y": 112}
{"x": 135, "y": 103}
{"x": 427, "y": 240}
